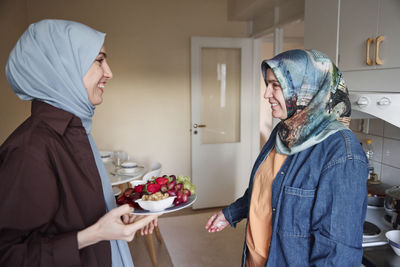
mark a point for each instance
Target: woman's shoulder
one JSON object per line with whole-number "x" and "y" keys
{"x": 343, "y": 144}
{"x": 32, "y": 136}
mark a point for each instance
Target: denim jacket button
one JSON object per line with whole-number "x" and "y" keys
{"x": 273, "y": 209}
{"x": 282, "y": 173}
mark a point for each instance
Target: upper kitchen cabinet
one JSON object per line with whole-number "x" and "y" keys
{"x": 321, "y": 27}
{"x": 361, "y": 36}
{"x": 369, "y": 34}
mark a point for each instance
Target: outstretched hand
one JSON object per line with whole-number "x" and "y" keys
{"x": 216, "y": 223}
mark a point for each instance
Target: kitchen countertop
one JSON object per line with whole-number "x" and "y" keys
{"x": 380, "y": 256}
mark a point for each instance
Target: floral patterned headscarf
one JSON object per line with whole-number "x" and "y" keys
{"x": 316, "y": 97}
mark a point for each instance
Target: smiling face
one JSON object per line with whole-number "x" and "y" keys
{"x": 96, "y": 78}
{"x": 275, "y": 96}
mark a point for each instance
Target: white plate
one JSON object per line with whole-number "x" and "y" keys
{"x": 122, "y": 172}
{"x": 137, "y": 182}
{"x": 191, "y": 200}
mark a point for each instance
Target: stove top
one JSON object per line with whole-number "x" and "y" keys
{"x": 375, "y": 227}
{"x": 370, "y": 230}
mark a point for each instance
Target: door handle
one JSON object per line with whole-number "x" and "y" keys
{"x": 199, "y": 125}
{"x": 368, "y": 59}
{"x": 379, "y": 40}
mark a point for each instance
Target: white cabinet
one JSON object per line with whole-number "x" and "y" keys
{"x": 375, "y": 20}
{"x": 344, "y": 39}
{"x": 321, "y": 26}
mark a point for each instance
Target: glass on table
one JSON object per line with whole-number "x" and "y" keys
{"x": 120, "y": 157}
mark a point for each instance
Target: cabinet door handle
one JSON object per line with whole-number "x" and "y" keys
{"x": 379, "y": 40}
{"x": 368, "y": 59}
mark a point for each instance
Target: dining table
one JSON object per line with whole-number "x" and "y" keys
{"x": 119, "y": 177}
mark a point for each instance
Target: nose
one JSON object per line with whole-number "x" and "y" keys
{"x": 107, "y": 70}
{"x": 268, "y": 91}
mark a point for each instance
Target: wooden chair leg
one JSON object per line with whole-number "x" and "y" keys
{"x": 158, "y": 234}
{"x": 150, "y": 246}
{"x": 121, "y": 186}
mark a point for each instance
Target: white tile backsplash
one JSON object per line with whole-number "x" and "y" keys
{"x": 386, "y": 146}
{"x": 390, "y": 175}
{"x": 391, "y": 152}
{"x": 376, "y": 127}
{"x": 391, "y": 131}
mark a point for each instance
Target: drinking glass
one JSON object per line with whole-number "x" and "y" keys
{"x": 119, "y": 158}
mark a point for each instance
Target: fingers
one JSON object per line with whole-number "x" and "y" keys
{"x": 132, "y": 218}
{"x": 148, "y": 229}
{"x": 139, "y": 223}
{"x": 128, "y": 218}
{"x": 120, "y": 211}
{"x": 211, "y": 221}
{"x": 125, "y": 218}
{"x": 216, "y": 223}
{"x": 217, "y": 227}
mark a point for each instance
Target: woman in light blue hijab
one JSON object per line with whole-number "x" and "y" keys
{"x": 63, "y": 64}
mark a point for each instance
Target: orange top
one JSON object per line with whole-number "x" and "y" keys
{"x": 259, "y": 227}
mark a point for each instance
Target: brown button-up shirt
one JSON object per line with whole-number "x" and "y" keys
{"x": 50, "y": 189}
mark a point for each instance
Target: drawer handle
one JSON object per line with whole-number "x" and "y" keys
{"x": 368, "y": 59}
{"x": 379, "y": 40}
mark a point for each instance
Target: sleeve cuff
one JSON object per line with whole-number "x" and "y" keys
{"x": 65, "y": 250}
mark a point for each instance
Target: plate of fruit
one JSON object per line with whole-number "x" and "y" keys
{"x": 160, "y": 195}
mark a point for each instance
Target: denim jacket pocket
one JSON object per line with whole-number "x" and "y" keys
{"x": 295, "y": 212}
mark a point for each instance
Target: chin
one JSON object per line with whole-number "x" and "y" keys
{"x": 97, "y": 102}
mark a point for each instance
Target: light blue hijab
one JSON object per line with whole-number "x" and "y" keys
{"x": 48, "y": 64}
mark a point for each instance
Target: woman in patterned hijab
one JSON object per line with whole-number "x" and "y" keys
{"x": 306, "y": 200}
{"x": 316, "y": 97}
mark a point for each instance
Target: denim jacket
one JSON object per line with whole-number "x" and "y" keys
{"x": 319, "y": 201}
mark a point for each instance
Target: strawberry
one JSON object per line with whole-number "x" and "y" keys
{"x": 138, "y": 188}
{"x": 153, "y": 188}
{"x": 162, "y": 180}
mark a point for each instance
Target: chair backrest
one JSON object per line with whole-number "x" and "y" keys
{"x": 156, "y": 166}
{"x": 151, "y": 174}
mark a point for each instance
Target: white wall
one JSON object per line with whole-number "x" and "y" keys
{"x": 13, "y": 22}
{"x": 146, "y": 108}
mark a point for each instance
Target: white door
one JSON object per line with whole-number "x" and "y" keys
{"x": 222, "y": 91}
